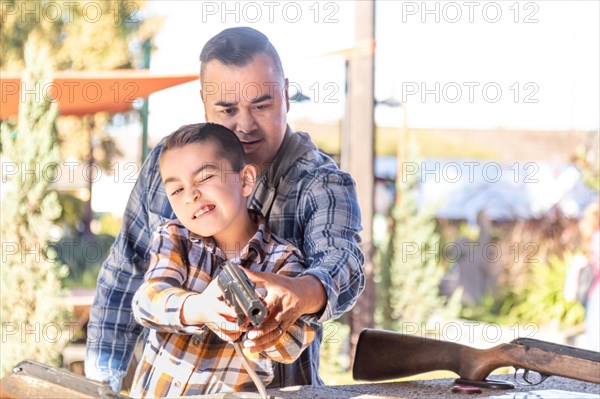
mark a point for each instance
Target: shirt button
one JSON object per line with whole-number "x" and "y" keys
{"x": 196, "y": 341}
{"x": 177, "y": 384}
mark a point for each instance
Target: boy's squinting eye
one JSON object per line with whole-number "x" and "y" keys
{"x": 176, "y": 191}
{"x": 205, "y": 178}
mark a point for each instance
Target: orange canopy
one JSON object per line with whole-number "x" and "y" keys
{"x": 82, "y": 93}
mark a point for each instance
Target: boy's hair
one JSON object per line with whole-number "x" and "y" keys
{"x": 238, "y": 46}
{"x": 227, "y": 144}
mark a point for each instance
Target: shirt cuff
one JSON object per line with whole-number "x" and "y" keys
{"x": 174, "y": 318}
{"x": 330, "y": 292}
{"x": 113, "y": 378}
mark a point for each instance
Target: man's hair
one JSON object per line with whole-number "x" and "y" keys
{"x": 237, "y": 47}
{"x": 228, "y": 146}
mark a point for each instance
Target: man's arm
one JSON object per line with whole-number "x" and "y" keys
{"x": 112, "y": 331}
{"x": 326, "y": 226}
{"x": 330, "y": 216}
{"x": 284, "y": 343}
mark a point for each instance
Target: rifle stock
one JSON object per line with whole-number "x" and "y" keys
{"x": 31, "y": 379}
{"x": 382, "y": 355}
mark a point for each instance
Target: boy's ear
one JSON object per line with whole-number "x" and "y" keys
{"x": 248, "y": 175}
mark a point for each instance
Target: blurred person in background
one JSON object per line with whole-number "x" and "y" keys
{"x": 590, "y": 234}
{"x": 582, "y": 282}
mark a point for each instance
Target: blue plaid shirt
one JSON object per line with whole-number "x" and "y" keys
{"x": 315, "y": 208}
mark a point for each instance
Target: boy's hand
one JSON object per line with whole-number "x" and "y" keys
{"x": 210, "y": 309}
{"x": 287, "y": 299}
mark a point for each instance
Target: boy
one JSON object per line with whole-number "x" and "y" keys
{"x": 207, "y": 182}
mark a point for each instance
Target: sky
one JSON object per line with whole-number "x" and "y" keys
{"x": 465, "y": 64}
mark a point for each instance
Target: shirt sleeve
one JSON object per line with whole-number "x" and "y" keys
{"x": 330, "y": 215}
{"x": 158, "y": 302}
{"x": 300, "y": 334}
{"x": 112, "y": 330}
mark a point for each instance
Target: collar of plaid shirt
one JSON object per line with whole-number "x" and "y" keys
{"x": 253, "y": 252}
{"x": 293, "y": 147}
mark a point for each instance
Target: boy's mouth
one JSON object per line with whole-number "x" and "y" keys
{"x": 203, "y": 210}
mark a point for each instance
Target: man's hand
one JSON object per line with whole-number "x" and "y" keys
{"x": 287, "y": 299}
{"x": 210, "y": 309}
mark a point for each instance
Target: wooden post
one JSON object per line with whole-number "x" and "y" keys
{"x": 145, "y": 111}
{"x": 358, "y": 152}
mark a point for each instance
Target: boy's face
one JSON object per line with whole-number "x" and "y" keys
{"x": 207, "y": 196}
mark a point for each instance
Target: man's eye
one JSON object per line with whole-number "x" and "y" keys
{"x": 263, "y": 106}
{"x": 177, "y": 191}
{"x": 228, "y": 111}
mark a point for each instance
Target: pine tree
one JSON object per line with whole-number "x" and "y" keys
{"x": 32, "y": 314}
{"x": 408, "y": 269}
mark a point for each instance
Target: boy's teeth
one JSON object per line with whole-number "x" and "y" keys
{"x": 202, "y": 211}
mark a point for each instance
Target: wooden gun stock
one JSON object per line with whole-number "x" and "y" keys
{"x": 31, "y": 379}
{"x": 382, "y": 355}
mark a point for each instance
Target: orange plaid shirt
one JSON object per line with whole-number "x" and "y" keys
{"x": 183, "y": 360}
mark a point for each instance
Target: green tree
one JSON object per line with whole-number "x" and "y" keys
{"x": 89, "y": 35}
{"x": 32, "y": 313}
{"x": 83, "y": 35}
{"x": 409, "y": 272}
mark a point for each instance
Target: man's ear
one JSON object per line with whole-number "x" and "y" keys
{"x": 248, "y": 175}
{"x": 203, "y": 104}
{"x": 286, "y": 92}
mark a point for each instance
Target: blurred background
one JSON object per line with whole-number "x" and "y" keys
{"x": 472, "y": 129}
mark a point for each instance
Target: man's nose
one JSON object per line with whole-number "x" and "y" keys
{"x": 245, "y": 122}
{"x": 192, "y": 196}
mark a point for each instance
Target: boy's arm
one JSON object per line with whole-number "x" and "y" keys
{"x": 163, "y": 284}
{"x": 166, "y": 301}
{"x": 158, "y": 302}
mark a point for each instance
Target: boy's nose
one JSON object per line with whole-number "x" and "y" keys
{"x": 192, "y": 197}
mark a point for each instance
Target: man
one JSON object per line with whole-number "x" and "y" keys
{"x": 303, "y": 195}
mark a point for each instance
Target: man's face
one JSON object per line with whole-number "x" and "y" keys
{"x": 252, "y": 101}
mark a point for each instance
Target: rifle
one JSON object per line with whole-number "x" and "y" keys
{"x": 382, "y": 355}
{"x": 31, "y": 379}
{"x": 239, "y": 293}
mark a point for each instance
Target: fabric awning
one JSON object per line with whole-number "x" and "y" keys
{"x": 83, "y": 93}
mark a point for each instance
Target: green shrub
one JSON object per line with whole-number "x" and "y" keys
{"x": 84, "y": 256}
{"x": 542, "y": 301}
{"x": 32, "y": 311}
